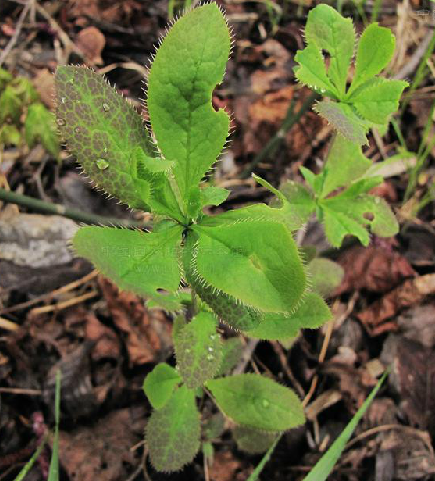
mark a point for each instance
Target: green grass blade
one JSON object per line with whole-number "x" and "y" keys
{"x": 326, "y": 464}
{"x": 265, "y": 459}
{"x": 53, "y": 474}
{"x": 30, "y": 463}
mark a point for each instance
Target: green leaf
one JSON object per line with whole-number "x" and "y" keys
{"x": 40, "y": 127}
{"x": 25, "y": 90}
{"x": 25, "y": 471}
{"x": 325, "y": 465}
{"x": 325, "y": 275}
{"x": 255, "y": 261}
{"x": 160, "y": 384}
{"x": 9, "y": 135}
{"x": 375, "y": 50}
{"x": 104, "y": 132}
{"x": 53, "y": 473}
{"x": 187, "y": 67}
{"x": 311, "y": 313}
{"x": 136, "y": 261}
{"x": 329, "y": 31}
{"x": 376, "y": 100}
{"x": 198, "y": 350}
{"x": 10, "y": 105}
{"x": 211, "y": 195}
{"x": 344, "y": 119}
{"x": 173, "y": 432}
{"x": 312, "y": 70}
{"x": 258, "y": 402}
{"x": 214, "y": 427}
{"x": 231, "y": 354}
{"x": 5, "y": 78}
{"x": 345, "y": 163}
{"x": 252, "y": 440}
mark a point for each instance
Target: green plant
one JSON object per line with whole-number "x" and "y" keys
{"x": 19, "y": 98}
{"x": 243, "y": 267}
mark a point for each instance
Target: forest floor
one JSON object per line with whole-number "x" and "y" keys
{"x": 56, "y": 311}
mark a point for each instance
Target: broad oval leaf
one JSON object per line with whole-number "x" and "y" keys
{"x": 325, "y": 275}
{"x": 198, "y": 350}
{"x": 258, "y": 402}
{"x": 188, "y": 65}
{"x": 160, "y": 384}
{"x": 173, "y": 432}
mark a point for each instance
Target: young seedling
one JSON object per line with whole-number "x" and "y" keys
{"x": 243, "y": 265}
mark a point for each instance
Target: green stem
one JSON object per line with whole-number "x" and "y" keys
{"x": 290, "y": 120}
{"x": 58, "y": 209}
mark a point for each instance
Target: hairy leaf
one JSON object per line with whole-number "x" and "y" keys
{"x": 173, "y": 432}
{"x": 40, "y": 126}
{"x": 255, "y": 261}
{"x": 252, "y": 440}
{"x": 346, "y": 163}
{"x": 160, "y": 384}
{"x": 187, "y": 128}
{"x": 231, "y": 353}
{"x": 136, "y": 261}
{"x": 258, "y": 402}
{"x": 198, "y": 350}
{"x": 329, "y": 31}
{"x": 375, "y": 50}
{"x": 325, "y": 275}
{"x": 312, "y": 313}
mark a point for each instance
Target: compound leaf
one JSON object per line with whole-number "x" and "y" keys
{"x": 346, "y": 163}
{"x": 376, "y": 100}
{"x": 198, "y": 350}
{"x": 258, "y": 402}
{"x": 255, "y": 261}
{"x": 329, "y": 31}
{"x": 186, "y": 69}
{"x": 311, "y": 313}
{"x": 136, "y": 261}
{"x": 344, "y": 119}
{"x": 173, "y": 432}
{"x": 375, "y": 50}
{"x": 160, "y": 384}
{"x": 39, "y": 126}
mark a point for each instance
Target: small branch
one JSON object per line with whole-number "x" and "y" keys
{"x": 58, "y": 209}
{"x": 16, "y": 34}
{"x": 273, "y": 144}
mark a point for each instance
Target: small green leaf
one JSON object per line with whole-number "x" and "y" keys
{"x": 211, "y": 195}
{"x": 231, "y": 354}
{"x": 173, "y": 432}
{"x": 325, "y": 275}
{"x": 376, "y": 100}
{"x": 252, "y": 440}
{"x": 258, "y": 402}
{"x": 214, "y": 427}
{"x": 160, "y": 384}
{"x": 25, "y": 90}
{"x": 136, "y": 261}
{"x": 10, "y": 105}
{"x": 344, "y": 119}
{"x": 40, "y": 126}
{"x": 329, "y": 31}
{"x": 9, "y": 135}
{"x": 255, "y": 261}
{"x": 375, "y": 50}
{"x": 312, "y": 70}
{"x": 346, "y": 163}
{"x": 198, "y": 350}
{"x": 311, "y": 313}
{"x": 5, "y": 78}
{"x": 187, "y": 67}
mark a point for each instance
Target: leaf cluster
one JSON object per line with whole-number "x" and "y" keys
{"x": 23, "y": 117}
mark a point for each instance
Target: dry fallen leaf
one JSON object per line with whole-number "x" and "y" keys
{"x": 91, "y": 42}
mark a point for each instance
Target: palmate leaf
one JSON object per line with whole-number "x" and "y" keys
{"x": 255, "y": 261}
{"x": 173, "y": 432}
{"x": 136, "y": 261}
{"x": 160, "y": 383}
{"x": 104, "y": 132}
{"x": 198, "y": 350}
{"x": 187, "y": 128}
{"x": 258, "y": 402}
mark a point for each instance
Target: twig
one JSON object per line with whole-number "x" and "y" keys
{"x": 16, "y": 34}
{"x": 8, "y": 325}
{"x": 58, "y": 209}
{"x": 290, "y": 120}
{"x": 65, "y": 304}
{"x": 246, "y": 355}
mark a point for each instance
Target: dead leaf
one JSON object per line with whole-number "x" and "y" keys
{"x": 44, "y": 84}
{"x": 226, "y": 467}
{"x": 132, "y": 318}
{"x": 101, "y": 451}
{"x": 373, "y": 269}
{"x": 91, "y": 42}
